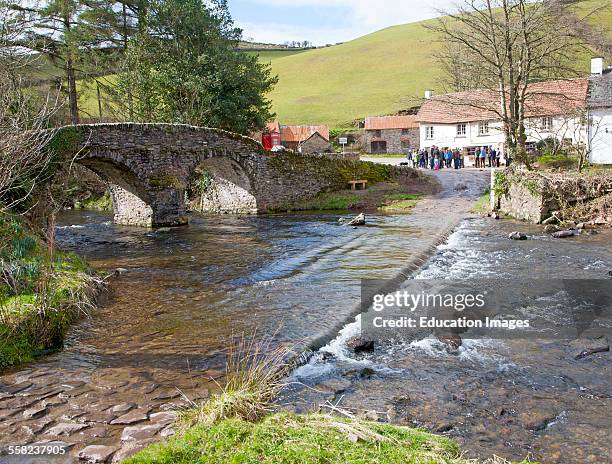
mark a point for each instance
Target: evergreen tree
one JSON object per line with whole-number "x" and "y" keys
{"x": 183, "y": 67}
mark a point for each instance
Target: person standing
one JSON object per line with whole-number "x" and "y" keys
{"x": 483, "y": 157}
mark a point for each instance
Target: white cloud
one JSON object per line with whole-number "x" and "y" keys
{"x": 362, "y": 17}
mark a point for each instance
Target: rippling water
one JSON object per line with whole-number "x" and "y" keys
{"x": 512, "y": 398}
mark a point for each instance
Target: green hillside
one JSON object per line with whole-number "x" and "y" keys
{"x": 379, "y": 73}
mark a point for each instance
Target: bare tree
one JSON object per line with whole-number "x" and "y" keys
{"x": 502, "y": 47}
{"x": 24, "y": 116}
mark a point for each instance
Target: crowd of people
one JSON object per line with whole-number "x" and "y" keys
{"x": 436, "y": 158}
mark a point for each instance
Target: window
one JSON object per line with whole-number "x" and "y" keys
{"x": 546, "y": 123}
{"x": 376, "y": 134}
{"x": 405, "y": 131}
{"x": 429, "y": 132}
{"x": 461, "y": 130}
{"x": 483, "y": 128}
{"x": 378, "y": 147}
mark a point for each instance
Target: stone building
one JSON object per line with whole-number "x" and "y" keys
{"x": 391, "y": 134}
{"x": 305, "y": 139}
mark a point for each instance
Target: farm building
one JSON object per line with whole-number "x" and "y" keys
{"x": 391, "y": 134}
{"x": 305, "y": 139}
{"x": 599, "y": 106}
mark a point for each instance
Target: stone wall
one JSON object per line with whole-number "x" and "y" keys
{"x": 394, "y": 138}
{"x": 533, "y": 196}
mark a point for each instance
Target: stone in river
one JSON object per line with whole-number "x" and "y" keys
{"x": 15, "y": 388}
{"x": 167, "y": 432}
{"x": 583, "y": 347}
{"x": 102, "y": 417}
{"x": 516, "y": 235}
{"x": 97, "y": 453}
{"x": 123, "y": 408}
{"x": 164, "y": 417}
{"x": 360, "y": 344}
{"x": 65, "y": 428}
{"x": 140, "y": 432}
{"x": 167, "y": 395}
{"x": 537, "y": 419}
{"x": 35, "y": 411}
{"x": 334, "y": 385}
{"x": 132, "y": 448}
{"x": 137, "y": 415}
{"x": 34, "y": 427}
{"x": 358, "y": 220}
{"x": 452, "y": 342}
{"x": 565, "y": 233}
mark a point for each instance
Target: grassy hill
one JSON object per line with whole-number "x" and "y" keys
{"x": 380, "y": 73}
{"x": 376, "y": 74}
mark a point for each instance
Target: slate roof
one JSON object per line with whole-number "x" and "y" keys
{"x": 391, "y": 122}
{"x": 549, "y": 98}
{"x": 600, "y": 91}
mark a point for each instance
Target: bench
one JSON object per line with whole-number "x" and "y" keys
{"x": 355, "y": 183}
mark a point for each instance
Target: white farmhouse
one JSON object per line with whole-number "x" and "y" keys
{"x": 599, "y": 105}
{"x": 470, "y": 120}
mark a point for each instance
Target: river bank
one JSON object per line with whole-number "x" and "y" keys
{"x": 42, "y": 292}
{"x": 185, "y": 293}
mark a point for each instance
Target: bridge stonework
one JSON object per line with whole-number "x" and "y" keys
{"x": 156, "y": 172}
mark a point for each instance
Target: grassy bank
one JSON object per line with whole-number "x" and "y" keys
{"x": 103, "y": 203}
{"x": 483, "y": 204}
{"x": 304, "y": 439}
{"x": 386, "y": 197}
{"x": 41, "y": 293}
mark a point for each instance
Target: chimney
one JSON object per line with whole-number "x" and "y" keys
{"x": 429, "y": 93}
{"x": 597, "y": 65}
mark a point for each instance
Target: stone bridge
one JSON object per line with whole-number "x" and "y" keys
{"x": 156, "y": 172}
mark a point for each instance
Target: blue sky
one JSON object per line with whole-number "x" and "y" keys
{"x": 326, "y": 21}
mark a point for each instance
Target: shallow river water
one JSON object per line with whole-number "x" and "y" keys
{"x": 512, "y": 398}
{"x": 184, "y": 294}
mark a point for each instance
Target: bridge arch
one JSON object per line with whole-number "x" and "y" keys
{"x": 149, "y": 167}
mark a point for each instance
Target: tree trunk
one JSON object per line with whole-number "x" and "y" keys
{"x": 125, "y": 47}
{"x": 70, "y": 76}
{"x": 72, "y": 92}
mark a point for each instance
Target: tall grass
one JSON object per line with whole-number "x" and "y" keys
{"x": 255, "y": 373}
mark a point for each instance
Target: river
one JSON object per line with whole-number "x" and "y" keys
{"x": 184, "y": 294}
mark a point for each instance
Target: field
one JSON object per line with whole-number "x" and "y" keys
{"x": 380, "y": 73}
{"x": 377, "y": 74}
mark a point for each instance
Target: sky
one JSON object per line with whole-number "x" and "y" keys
{"x": 326, "y": 21}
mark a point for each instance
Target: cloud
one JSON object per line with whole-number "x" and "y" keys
{"x": 358, "y": 17}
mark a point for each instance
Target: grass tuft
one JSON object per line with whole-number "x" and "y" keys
{"x": 255, "y": 373}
